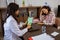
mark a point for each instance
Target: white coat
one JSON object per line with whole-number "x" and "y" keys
{"x": 11, "y": 30}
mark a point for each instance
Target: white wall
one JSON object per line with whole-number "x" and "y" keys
{"x": 59, "y": 2}
{"x": 2, "y": 3}
{"x": 52, "y": 3}
{"x": 9, "y": 1}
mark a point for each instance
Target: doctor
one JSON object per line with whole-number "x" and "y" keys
{"x": 11, "y": 29}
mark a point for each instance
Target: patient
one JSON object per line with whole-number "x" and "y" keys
{"x": 47, "y": 17}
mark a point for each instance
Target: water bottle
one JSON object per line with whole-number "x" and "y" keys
{"x": 43, "y": 29}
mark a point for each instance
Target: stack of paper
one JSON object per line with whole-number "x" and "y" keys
{"x": 54, "y": 33}
{"x": 43, "y": 37}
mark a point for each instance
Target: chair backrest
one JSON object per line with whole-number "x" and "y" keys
{"x": 57, "y": 21}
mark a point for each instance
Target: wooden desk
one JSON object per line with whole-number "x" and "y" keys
{"x": 49, "y": 30}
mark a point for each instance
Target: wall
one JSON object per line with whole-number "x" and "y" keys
{"x": 52, "y": 3}
{"x": 2, "y": 3}
{"x": 59, "y": 2}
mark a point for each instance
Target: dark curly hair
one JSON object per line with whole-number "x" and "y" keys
{"x": 47, "y": 7}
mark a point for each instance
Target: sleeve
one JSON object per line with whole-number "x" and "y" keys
{"x": 41, "y": 18}
{"x": 21, "y": 24}
{"x": 14, "y": 28}
{"x": 52, "y": 20}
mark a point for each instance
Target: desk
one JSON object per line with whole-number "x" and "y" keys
{"x": 49, "y": 30}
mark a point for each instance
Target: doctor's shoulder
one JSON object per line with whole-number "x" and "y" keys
{"x": 10, "y": 19}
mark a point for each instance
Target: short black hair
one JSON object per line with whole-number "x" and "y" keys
{"x": 47, "y": 7}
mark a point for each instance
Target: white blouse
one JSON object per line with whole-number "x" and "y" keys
{"x": 11, "y": 30}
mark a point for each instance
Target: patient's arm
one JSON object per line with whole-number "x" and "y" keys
{"x": 41, "y": 23}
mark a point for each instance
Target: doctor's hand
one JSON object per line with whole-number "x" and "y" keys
{"x": 28, "y": 26}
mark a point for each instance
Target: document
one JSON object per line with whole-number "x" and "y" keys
{"x": 44, "y": 36}
{"x": 54, "y": 33}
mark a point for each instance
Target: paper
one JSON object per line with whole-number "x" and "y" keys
{"x": 30, "y": 19}
{"x": 54, "y": 33}
{"x": 58, "y": 27}
{"x": 43, "y": 37}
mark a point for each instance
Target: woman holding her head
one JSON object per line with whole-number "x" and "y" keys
{"x": 11, "y": 29}
{"x": 47, "y": 17}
